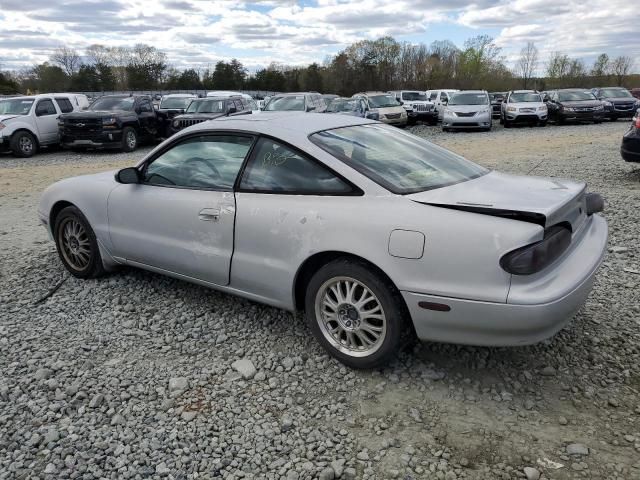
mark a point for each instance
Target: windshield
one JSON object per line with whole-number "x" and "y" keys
{"x": 113, "y": 103}
{"x": 15, "y": 106}
{"x": 575, "y": 96}
{"x": 615, "y": 93}
{"x": 399, "y": 161}
{"x": 469, "y": 99}
{"x": 381, "y": 101}
{"x": 525, "y": 97}
{"x": 342, "y": 105}
{"x": 414, "y": 96}
{"x": 206, "y": 106}
{"x": 288, "y": 104}
{"x": 175, "y": 102}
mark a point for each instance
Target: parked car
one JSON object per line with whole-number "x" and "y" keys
{"x": 383, "y": 107}
{"x": 574, "y": 104}
{"x": 328, "y": 97}
{"x": 355, "y": 107}
{"x": 523, "y": 106}
{"x": 618, "y": 102}
{"x": 440, "y": 98}
{"x": 496, "y": 102}
{"x": 468, "y": 109}
{"x": 28, "y": 123}
{"x": 635, "y": 92}
{"x": 79, "y": 100}
{"x": 630, "y": 148}
{"x": 350, "y": 220}
{"x": 112, "y": 121}
{"x": 170, "y": 106}
{"x": 296, "y": 102}
{"x": 209, "y": 108}
{"x": 417, "y": 106}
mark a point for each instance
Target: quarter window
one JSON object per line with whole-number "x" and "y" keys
{"x": 205, "y": 162}
{"x": 64, "y": 104}
{"x": 275, "y": 168}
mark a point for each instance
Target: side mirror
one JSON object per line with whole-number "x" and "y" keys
{"x": 231, "y": 110}
{"x": 128, "y": 175}
{"x": 311, "y": 108}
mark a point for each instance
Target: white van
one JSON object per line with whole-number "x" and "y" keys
{"x": 440, "y": 98}
{"x": 28, "y": 123}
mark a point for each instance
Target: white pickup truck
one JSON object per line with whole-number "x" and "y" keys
{"x": 28, "y": 123}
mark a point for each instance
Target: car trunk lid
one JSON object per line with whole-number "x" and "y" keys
{"x": 544, "y": 201}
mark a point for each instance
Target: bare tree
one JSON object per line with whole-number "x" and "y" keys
{"x": 621, "y": 67}
{"x": 67, "y": 58}
{"x": 527, "y": 63}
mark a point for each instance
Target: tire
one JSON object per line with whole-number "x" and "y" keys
{"x": 506, "y": 123}
{"x": 501, "y": 120}
{"x": 342, "y": 336}
{"x": 129, "y": 139}
{"x": 445, "y": 129}
{"x": 542, "y": 123}
{"x": 76, "y": 244}
{"x": 23, "y": 144}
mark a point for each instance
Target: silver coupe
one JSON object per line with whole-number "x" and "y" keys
{"x": 366, "y": 228}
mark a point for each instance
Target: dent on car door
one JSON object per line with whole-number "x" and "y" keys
{"x": 180, "y": 218}
{"x": 285, "y": 203}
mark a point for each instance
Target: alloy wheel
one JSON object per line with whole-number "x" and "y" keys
{"x": 26, "y": 145}
{"x": 131, "y": 139}
{"x": 75, "y": 244}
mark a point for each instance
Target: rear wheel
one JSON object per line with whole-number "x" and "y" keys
{"x": 23, "y": 144}
{"x": 355, "y": 313}
{"x": 76, "y": 244}
{"x": 129, "y": 139}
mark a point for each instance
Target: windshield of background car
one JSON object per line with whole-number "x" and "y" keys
{"x": 399, "y": 161}
{"x": 615, "y": 93}
{"x": 469, "y": 99}
{"x": 15, "y": 106}
{"x": 286, "y": 104}
{"x": 410, "y": 96}
{"x": 206, "y": 106}
{"x": 113, "y": 103}
{"x": 343, "y": 106}
{"x": 382, "y": 101}
{"x": 175, "y": 102}
{"x": 575, "y": 96}
{"x": 525, "y": 97}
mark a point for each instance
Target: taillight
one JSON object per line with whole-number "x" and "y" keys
{"x": 533, "y": 258}
{"x": 637, "y": 121}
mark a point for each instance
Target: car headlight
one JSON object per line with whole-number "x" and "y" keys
{"x": 176, "y": 123}
{"x": 512, "y": 109}
{"x": 2, "y": 125}
{"x": 108, "y": 121}
{"x": 486, "y": 110}
{"x": 403, "y": 114}
{"x": 372, "y": 115}
{"x": 599, "y": 107}
{"x": 568, "y": 109}
{"x": 543, "y": 108}
{"x": 607, "y": 104}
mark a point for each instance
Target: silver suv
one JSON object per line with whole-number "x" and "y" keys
{"x": 523, "y": 106}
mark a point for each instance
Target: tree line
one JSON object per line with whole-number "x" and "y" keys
{"x": 381, "y": 64}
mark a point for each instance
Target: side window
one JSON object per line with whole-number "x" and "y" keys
{"x": 239, "y": 105}
{"x": 275, "y": 168}
{"x": 207, "y": 162}
{"x": 443, "y": 96}
{"x": 64, "y": 105}
{"x": 45, "y": 107}
{"x": 433, "y": 96}
{"x": 145, "y": 106}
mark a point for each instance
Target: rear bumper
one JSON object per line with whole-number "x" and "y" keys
{"x": 544, "y": 305}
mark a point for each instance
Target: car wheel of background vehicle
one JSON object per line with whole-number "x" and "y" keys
{"x": 506, "y": 123}
{"x": 23, "y": 145}
{"x": 542, "y": 123}
{"x": 76, "y": 244}
{"x": 129, "y": 139}
{"x": 445, "y": 129}
{"x": 501, "y": 120}
{"x": 355, "y": 313}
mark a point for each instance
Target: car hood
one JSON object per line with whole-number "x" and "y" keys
{"x": 97, "y": 114}
{"x": 4, "y": 118}
{"x": 544, "y": 201}
{"x": 620, "y": 100}
{"x": 581, "y": 103}
{"x": 467, "y": 108}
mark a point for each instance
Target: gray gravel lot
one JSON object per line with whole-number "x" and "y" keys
{"x": 137, "y": 376}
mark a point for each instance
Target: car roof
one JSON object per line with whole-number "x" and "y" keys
{"x": 183, "y": 95}
{"x": 523, "y": 91}
{"x": 471, "y": 91}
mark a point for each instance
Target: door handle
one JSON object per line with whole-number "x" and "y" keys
{"x": 209, "y": 214}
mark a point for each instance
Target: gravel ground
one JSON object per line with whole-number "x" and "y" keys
{"x": 140, "y": 376}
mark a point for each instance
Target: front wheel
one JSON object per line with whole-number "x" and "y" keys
{"x": 76, "y": 244}
{"x": 355, "y": 313}
{"x": 542, "y": 123}
{"x": 129, "y": 139}
{"x": 23, "y": 145}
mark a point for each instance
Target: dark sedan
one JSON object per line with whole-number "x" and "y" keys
{"x": 630, "y": 149}
{"x": 574, "y": 105}
{"x": 618, "y": 102}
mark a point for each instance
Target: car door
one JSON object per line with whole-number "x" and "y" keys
{"x": 282, "y": 198}
{"x": 47, "y": 121}
{"x": 180, "y": 217}
{"x": 147, "y": 118}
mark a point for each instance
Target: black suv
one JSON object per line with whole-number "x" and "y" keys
{"x": 170, "y": 106}
{"x": 209, "y": 108}
{"x": 296, "y": 102}
{"x": 618, "y": 102}
{"x": 574, "y": 104}
{"x": 112, "y": 121}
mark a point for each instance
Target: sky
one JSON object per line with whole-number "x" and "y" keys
{"x": 196, "y": 33}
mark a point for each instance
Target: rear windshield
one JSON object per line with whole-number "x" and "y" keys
{"x": 469, "y": 99}
{"x": 289, "y": 104}
{"x": 113, "y": 103}
{"x": 575, "y": 96}
{"x": 175, "y": 102}
{"x": 206, "y": 106}
{"x": 525, "y": 97}
{"x": 399, "y": 161}
{"x": 15, "y": 106}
